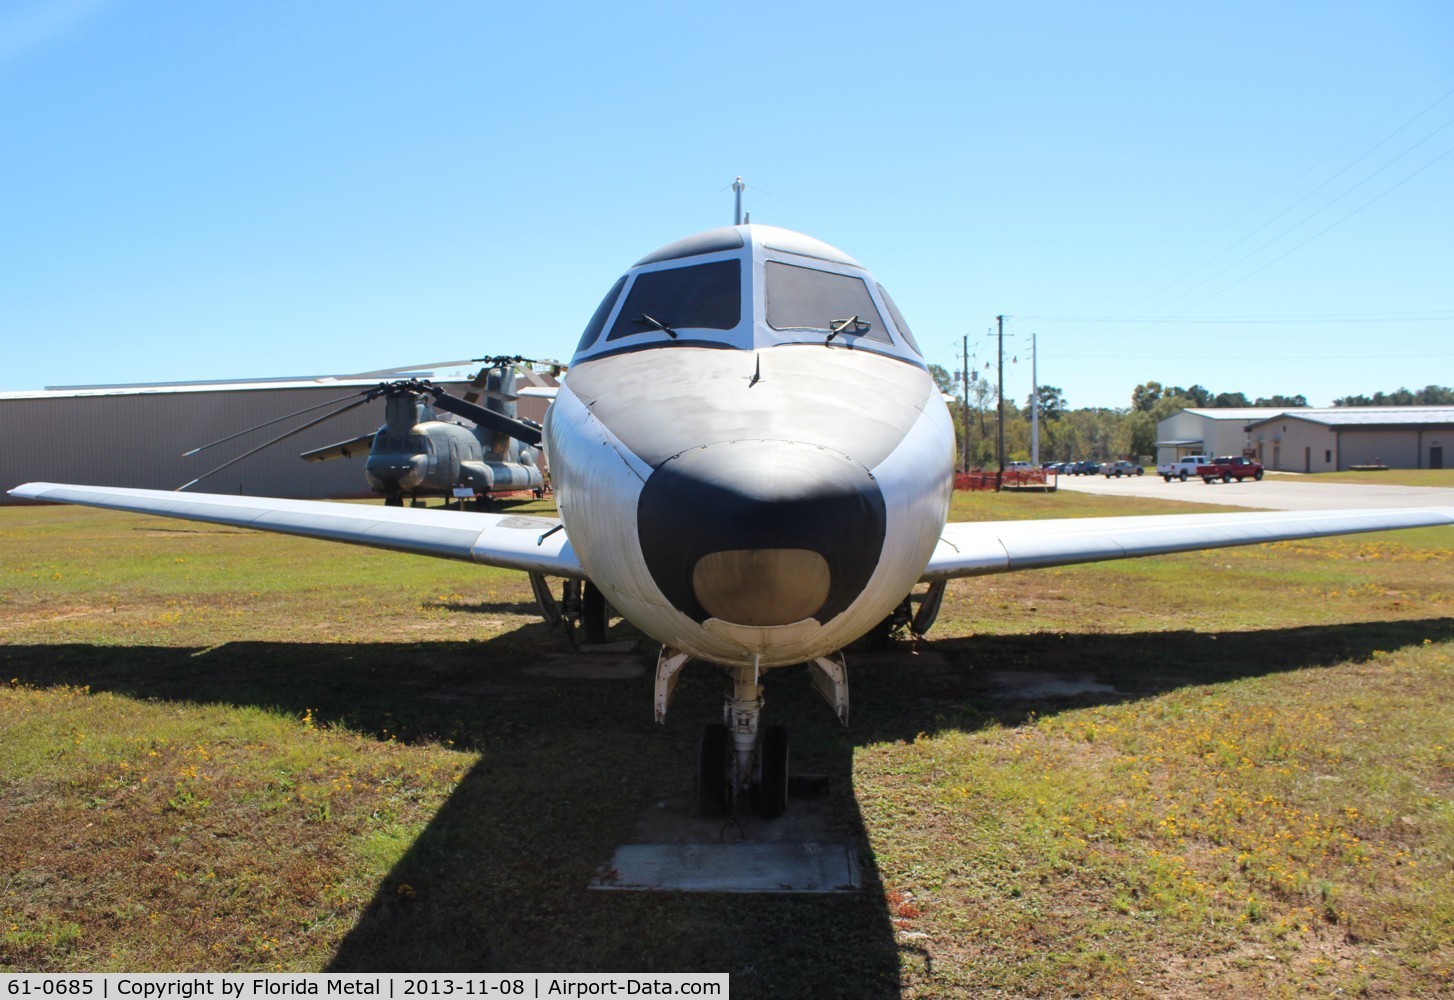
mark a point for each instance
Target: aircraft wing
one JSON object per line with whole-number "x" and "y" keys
{"x": 976, "y": 548}
{"x": 533, "y": 544}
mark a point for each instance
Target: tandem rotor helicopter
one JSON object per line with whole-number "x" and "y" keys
{"x": 416, "y": 454}
{"x": 753, "y": 465}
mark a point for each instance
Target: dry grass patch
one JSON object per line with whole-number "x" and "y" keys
{"x": 284, "y": 753}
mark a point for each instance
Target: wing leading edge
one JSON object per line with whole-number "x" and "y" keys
{"x": 976, "y": 548}
{"x": 533, "y": 544}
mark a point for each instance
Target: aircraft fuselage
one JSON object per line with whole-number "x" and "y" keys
{"x": 758, "y": 492}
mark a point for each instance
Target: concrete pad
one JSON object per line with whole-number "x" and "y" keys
{"x": 745, "y": 866}
{"x": 675, "y": 850}
{"x": 1036, "y": 684}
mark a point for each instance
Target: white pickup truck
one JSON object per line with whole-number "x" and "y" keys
{"x": 1183, "y": 468}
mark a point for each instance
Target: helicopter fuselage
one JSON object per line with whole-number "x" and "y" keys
{"x": 414, "y": 454}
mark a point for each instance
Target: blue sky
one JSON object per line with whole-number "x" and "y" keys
{"x": 1249, "y": 196}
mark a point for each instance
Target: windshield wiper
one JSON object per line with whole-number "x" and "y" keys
{"x": 837, "y": 326}
{"x": 647, "y": 319}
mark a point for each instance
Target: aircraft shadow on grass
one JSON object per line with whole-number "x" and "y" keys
{"x": 497, "y": 880}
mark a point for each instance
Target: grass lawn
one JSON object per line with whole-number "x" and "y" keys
{"x": 1216, "y": 774}
{"x": 1442, "y": 478}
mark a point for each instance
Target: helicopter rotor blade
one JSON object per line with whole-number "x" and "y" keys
{"x": 495, "y": 421}
{"x": 281, "y": 437}
{"x": 341, "y": 449}
{"x": 426, "y": 366}
{"x": 477, "y": 383}
{"x": 269, "y": 423}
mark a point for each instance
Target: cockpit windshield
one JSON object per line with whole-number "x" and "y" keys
{"x": 904, "y": 332}
{"x": 602, "y": 313}
{"x": 702, "y": 296}
{"x": 804, "y": 298}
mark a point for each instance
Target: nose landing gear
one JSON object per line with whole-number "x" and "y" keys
{"x": 738, "y": 767}
{"x": 720, "y": 793}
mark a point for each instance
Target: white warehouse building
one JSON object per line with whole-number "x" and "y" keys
{"x": 1208, "y": 431}
{"x": 1349, "y": 437}
{"x": 1308, "y": 439}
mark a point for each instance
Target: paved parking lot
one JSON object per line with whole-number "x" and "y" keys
{"x": 1276, "y": 492}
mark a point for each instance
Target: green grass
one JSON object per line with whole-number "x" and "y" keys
{"x": 284, "y": 754}
{"x": 1441, "y": 478}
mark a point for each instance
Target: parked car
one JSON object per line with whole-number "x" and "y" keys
{"x": 1183, "y": 468}
{"x": 1121, "y": 468}
{"x": 1084, "y": 468}
{"x": 1229, "y": 467}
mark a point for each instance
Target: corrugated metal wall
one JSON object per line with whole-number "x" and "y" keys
{"x": 137, "y": 439}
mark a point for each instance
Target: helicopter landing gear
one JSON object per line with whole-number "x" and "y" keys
{"x": 394, "y": 501}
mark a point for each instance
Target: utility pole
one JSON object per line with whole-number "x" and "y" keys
{"x": 1000, "y": 430}
{"x": 964, "y": 401}
{"x": 1034, "y": 406}
{"x": 737, "y": 188}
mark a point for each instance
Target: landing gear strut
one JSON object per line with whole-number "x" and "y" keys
{"x": 739, "y": 766}
{"x": 736, "y": 769}
{"x": 583, "y": 603}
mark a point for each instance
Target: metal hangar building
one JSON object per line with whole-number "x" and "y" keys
{"x": 134, "y": 435}
{"x": 1314, "y": 439}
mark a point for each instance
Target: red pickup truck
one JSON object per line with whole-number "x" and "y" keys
{"x": 1228, "y": 468}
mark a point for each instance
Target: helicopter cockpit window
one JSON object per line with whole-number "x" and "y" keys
{"x": 702, "y": 296}
{"x": 898, "y": 318}
{"x": 602, "y": 313}
{"x": 804, "y": 298}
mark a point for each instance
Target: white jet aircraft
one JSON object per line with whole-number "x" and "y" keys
{"x": 753, "y": 466}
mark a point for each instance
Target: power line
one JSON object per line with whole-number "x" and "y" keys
{"x": 1260, "y": 357}
{"x": 1183, "y": 277}
{"x": 1423, "y": 316}
{"x": 1325, "y": 229}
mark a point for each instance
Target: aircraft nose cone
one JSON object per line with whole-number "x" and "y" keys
{"x": 761, "y": 532}
{"x": 762, "y": 586}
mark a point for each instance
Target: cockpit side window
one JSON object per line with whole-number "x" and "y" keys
{"x": 804, "y": 298}
{"x": 898, "y": 318}
{"x": 599, "y": 317}
{"x": 701, "y": 296}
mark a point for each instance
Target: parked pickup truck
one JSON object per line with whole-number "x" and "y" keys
{"x": 1183, "y": 468}
{"x": 1228, "y": 468}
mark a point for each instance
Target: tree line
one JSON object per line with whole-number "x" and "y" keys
{"x": 1104, "y": 433}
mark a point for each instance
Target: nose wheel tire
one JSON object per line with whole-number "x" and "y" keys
{"x": 770, "y": 795}
{"x": 714, "y": 755}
